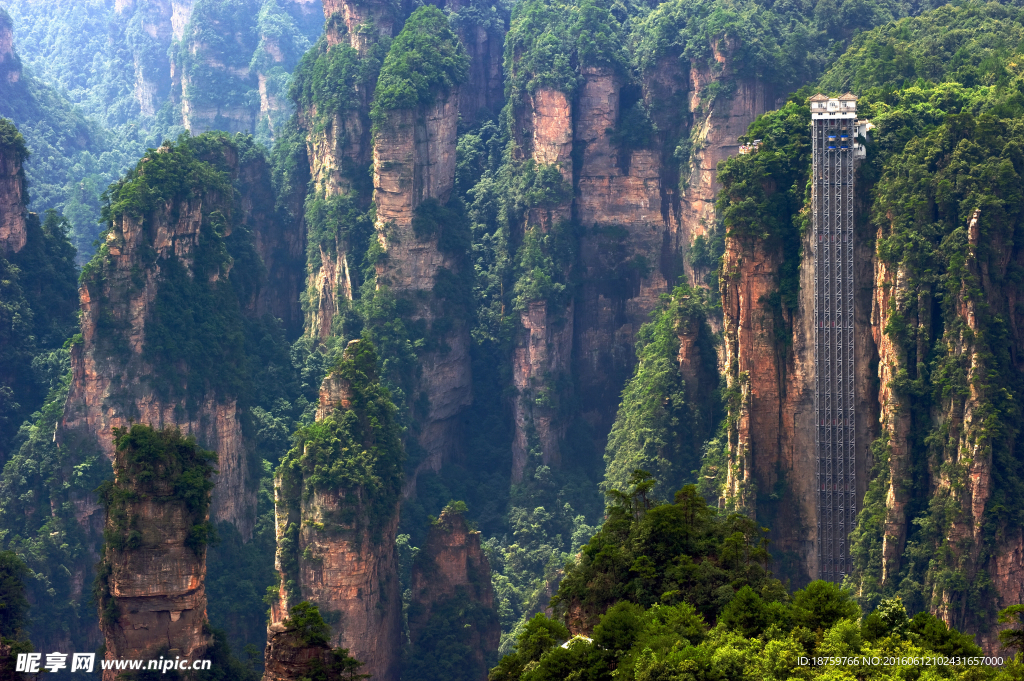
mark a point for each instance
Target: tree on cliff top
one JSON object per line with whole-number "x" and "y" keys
{"x": 550, "y": 41}
{"x": 151, "y": 461}
{"x": 425, "y": 59}
{"x": 356, "y": 447}
{"x": 13, "y": 604}
{"x": 11, "y": 140}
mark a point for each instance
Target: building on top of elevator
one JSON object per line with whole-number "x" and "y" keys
{"x": 842, "y": 108}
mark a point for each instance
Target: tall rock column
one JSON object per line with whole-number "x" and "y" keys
{"x": 152, "y": 575}
{"x": 484, "y": 92}
{"x": 12, "y": 183}
{"x": 337, "y": 494}
{"x": 630, "y": 248}
{"x": 146, "y": 356}
{"x": 346, "y": 61}
{"x": 215, "y": 75}
{"x": 452, "y": 596}
{"x": 542, "y": 356}
{"x": 718, "y": 121}
{"x": 151, "y": 25}
{"x": 768, "y": 320}
{"x": 424, "y": 240}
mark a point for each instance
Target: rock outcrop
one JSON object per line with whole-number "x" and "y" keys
{"x": 339, "y": 147}
{"x": 769, "y": 361}
{"x": 771, "y": 471}
{"x": 483, "y": 95}
{"x": 152, "y": 575}
{"x": 151, "y": 22}
{"x": 289, "y": 658}
{"x": 451, "y": 574}
{"x": 10, "y": 65}
{"x": 542, "y": 357}
{"x": 122, "y": 371}
{"x": 12, "y": 186}
{"x": 215, "y": 79}
{"x": 336, "y": 542}
{"x": 423, "y": 249}
{"x": 717, "y": 123}
{"x": 615, "y": 142}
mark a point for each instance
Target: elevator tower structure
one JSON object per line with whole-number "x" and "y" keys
{"x": 835, "y": 129}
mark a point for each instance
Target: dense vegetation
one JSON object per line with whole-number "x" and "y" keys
{"x": 424, "y": 60}
{"x": 721, "y": 616}
{"x": 356, "y": 453}
{"x": 927, "y": 194}
{"x": 85, "y": 71}
{"x": 162, "y": 465}
{"x": 663, "y": 423}
{"x": 668, "y": 590}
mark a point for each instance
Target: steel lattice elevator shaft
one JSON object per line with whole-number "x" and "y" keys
{"x": 834, "y": 127}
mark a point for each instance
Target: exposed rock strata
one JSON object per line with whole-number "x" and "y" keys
{"x": 960, "y": 469}
{"x": 717, "y": 123}
{"x": 157, "y": 586}
{"x": 636, "y": 227}
{"x": 13, "y": 233}
{"x": 483, "y": 94}
{"x": 628, "y": 251}
{"x": 288, "y": 657}
{"x": 111, "y": 389}
{"x": 414, "y": 161}
{"x": 10, "y": 65}
{"x": 772, "y": 446}
{"x": 451, "y": 569}
{"x": 346, "y": 17}
{"x": 347, "y": 569}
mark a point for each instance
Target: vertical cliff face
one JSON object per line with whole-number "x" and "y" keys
{"x": 483, "y": 37}
{"x": 10, "y": 65}
{"x": 346, "y": 19}
{"x": 336, "y": 532}
{"x": 290, "y": 658}
{"x": 424, "y": 241}
{"x": 345, "y": 65}
{"x": 542, "y": 355}
{"x": 767, "y": 290}
{"x": 215, "y": 76}
{"x": 718, "y": 122}
{"x": 12, "y": 184}
{"x": 452, "y": 594}
{"x": 141, "y": 360}
{"x": 279, "y": 240}
{"x": 771, "y": 472}
{"x": 629, "y": 251}
{"x": 152, "y": 575}
{"x": 414, "y": 173}
{"x": 150, "y": 25}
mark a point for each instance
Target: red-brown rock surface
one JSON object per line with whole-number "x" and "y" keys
{"x": 158, "y": 583}
{"x": 772, "y": 443}
{"x": 414, "y": 161}
{"x": 112, "y": 389}
{"x": 452, "y": 568}
{"x": 288, "y": 657}
{"x": 350, "y": 574}
{"x": 12, "y": 199}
